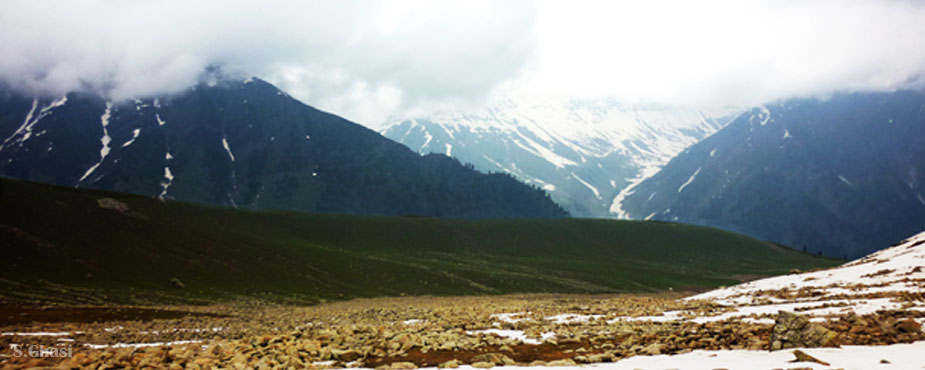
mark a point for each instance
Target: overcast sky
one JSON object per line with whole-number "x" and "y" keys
{"x": 371, "y": 60}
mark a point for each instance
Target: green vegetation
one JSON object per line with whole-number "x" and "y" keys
{"x": 53, "y": 237}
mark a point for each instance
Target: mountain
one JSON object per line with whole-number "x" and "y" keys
{"x": 843, "y": 175}
{"x": 583, "y": 152}
{"x": 92, "y": 246}
{"x": 244, "y": 144}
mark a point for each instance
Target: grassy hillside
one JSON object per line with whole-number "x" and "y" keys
{"x": 61, "y": 243}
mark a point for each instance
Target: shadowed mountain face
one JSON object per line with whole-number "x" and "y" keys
{"x": 844, "y": 176}
{"x": 244, "y": 144}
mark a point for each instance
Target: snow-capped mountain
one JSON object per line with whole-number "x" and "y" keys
{"x": 585, "y": 153}
{"x": 843, "y": 175}
{"x": 243, "y": 144}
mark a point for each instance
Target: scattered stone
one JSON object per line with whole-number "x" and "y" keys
{"x": 564, "y": 362}
{"x": 176, "y": 283}
{"x": 403, "y": 366}
{"x": 792, "y": 331}
{"x": 483, "y": 365}
{"x": 804, "y": 357}
{"x": 451, "y": 364}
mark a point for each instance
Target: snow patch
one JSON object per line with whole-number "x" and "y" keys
{"x": 844, "y": 180}
{"x": 227, "y": 148}
{"x": 449, "y": 150}
{"x": 690, "y": 180}
{"x": 589, "y": 186}
{"x": 616, "y": 206}
{"x": 104, "y": 151}
{"x": 135, "y": 134}
{"x": 25, "y": 130}
{"x": 160, "y": 122}
{"x": 901, "y": 356}
{"x": 513, "y": 334}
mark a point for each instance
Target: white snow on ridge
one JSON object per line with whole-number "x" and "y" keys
{"x": 104, "y": 151}
{"x": 896, "y": 269}
{"x": 427, "y": 140}
{"x": 589, "y": 186}
{"x": 616, "y": 206}
{"x": 594, "y": 135}
{"x": 690, "y": 180}
{"x": 449, "y": 150}
{"x": 135, "y": 134}
{"x": 25, "y": 130}
{"x": 227, "y": 148}
{"x": 168, "y": 177}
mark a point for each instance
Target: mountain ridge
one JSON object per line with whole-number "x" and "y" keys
{"x": 248, "y": 144}
{"x": 842, "y": 176}
{"x": 584, "y": 152}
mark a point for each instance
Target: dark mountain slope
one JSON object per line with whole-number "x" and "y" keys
{"x": 844, "y": 176}
{"x": 107, "y": 247}
{"x": 245, "y": 144}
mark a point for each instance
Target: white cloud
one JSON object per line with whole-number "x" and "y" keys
{"x": 368, "y": 60}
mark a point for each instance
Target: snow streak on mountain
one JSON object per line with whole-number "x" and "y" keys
{"x": 588, "y": 154}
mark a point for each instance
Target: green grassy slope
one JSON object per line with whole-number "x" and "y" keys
{"x": 52, "y": 237}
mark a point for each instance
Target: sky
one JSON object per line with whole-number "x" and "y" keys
{"x": 372, "y": 61}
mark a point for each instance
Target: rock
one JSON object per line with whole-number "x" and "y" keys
{"x": 403, "y": 366}
{"x": 494, "y": 358}
{"x": 654, "y": 349}
{"x": 345, "y": 356}
{"x": 483, "y": 365}
{"x": 803, "y": 357}
{"x": 451, "y": 364}
{"x": 791, "y": 331}
{"x": 176, "y": 283}
{"x": 563, "y": 362}
{"x": 908, "y": 326}
{"x": 112, "y": 204}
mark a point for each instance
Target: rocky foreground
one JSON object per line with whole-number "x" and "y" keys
{"x": 876, "y": 301}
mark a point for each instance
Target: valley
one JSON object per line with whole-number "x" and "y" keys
{"x": 875, "y": 316}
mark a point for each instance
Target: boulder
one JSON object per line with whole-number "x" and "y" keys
{"x": 908, "y": 326}
{"x": 792, "y": 331}
{"x": 112, "y": 204}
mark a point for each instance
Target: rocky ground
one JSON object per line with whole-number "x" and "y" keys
{"x": 876, "y": 301}
{"x": 404, "y": 333}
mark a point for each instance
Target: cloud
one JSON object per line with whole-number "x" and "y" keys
{"x": 734, "y": 52}
{"x": 365, "y": 58}
{"x": 368, "y": 60}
